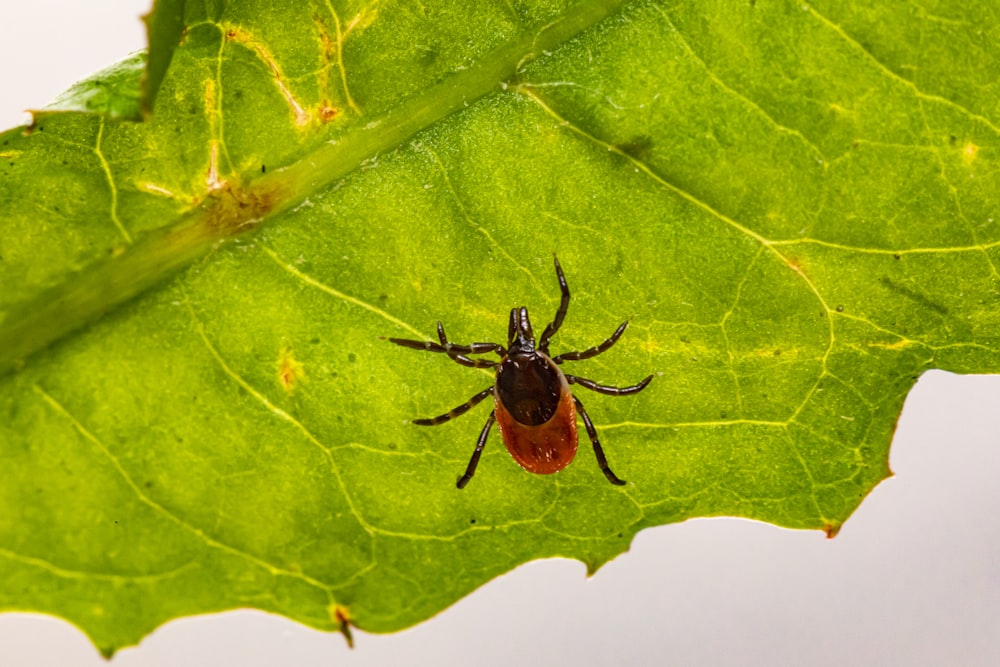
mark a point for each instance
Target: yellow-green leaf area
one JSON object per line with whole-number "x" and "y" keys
{"x": 793, "y": 205}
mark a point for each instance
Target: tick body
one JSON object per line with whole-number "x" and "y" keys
{"x": 533, "y": 405}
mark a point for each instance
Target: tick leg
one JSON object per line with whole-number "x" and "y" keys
{"x": 592, "y": 432}
{"x": 453, "y": 350}
{"x": 457, "y": 412}
{"x": 553, "y": 327}
{"x": 475, "y": 348}
{"x": 474, "y": 461}
{"x": 593, "y": 351}
{"x": 605, "y": 389}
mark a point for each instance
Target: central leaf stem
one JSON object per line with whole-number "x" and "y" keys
{"x": 85, "y": 296}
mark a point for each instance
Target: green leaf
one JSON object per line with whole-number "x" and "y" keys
{"x": 795, "y": 204}
{"x": 127, "y": 89}
{"x": 114, "y": 92}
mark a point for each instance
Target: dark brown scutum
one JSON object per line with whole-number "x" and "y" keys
{"x": 529, "y": 386}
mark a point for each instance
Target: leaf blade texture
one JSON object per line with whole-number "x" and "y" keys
{"x": 795, "y": 207}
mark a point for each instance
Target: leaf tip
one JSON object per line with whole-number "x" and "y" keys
{"x": 342, "y": 618}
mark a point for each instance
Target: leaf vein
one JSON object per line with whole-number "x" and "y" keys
{"x": 160, "y": 509}
{"x": 112, "y": 186}
{"x": 897, "y": 77}
{"x": 309, "y": 280}
{"x": 754, "y": 106}
{"x": 76, "y": 573}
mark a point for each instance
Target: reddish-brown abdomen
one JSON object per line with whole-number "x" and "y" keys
{"x": 543, "y": 448}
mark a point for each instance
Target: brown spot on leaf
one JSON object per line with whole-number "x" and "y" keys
{"x": 290, "y": 370}
{"x": 260, "y": 49}
{"x": 234, "y": 209}
{"x": 328, "y": 112}
{"x": 344, "y": 621}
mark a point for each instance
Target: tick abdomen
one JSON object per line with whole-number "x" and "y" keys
{"x": 535, "y": 412}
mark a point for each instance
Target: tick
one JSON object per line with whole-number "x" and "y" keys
{"x": 532, "y": 403}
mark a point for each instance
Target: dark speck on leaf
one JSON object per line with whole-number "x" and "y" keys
{"x": 472, "y": 520}
{"x": 840, "y": 309}
{"x": 314, "y": 340}
{"x": 263, "y": 168}
{"x": 777, "y": 353}
{"x": 352, "y": 357}
{"x": 895, "y": 256}
{"x": 914, "y": 295}
{"x": 383, "y": 297}
{"x": 638, "y": 147}
{"x": 391, "y": 445}
{"x": 952, "y": 139}
{"x": 428, "y": 57}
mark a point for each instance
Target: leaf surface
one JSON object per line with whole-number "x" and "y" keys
{"x": 794, "y": 204}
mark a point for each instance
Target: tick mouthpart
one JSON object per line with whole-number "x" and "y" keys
{"x": 521, "y": 336}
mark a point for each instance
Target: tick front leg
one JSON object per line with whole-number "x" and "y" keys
{"x": 474, "y": 461}
{"x": 553, "y": 326}
{"x": 602, "y": 461}
{"x": 457, "y": 412}
{"x": 454, "y": 352}
{"x": 475, "y": 348}
{"x": 593, "y": 351}
{"x": 605, "y": 389}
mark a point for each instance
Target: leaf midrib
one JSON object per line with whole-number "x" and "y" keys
{"x": 85, "y": 296}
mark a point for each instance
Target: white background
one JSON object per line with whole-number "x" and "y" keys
{"x": 912, "y": 579}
